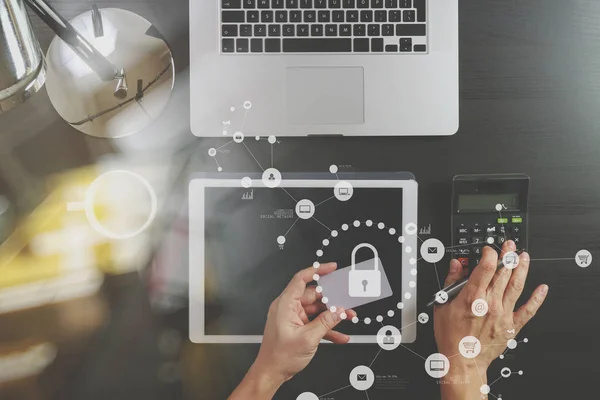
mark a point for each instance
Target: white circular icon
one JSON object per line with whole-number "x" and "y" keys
{"x": 307, "y": 396}
{"x": 212, "y": 152}
{"x": 480, "y": 307}
{"x": 247, "y": 105}
{"x": 238, "y": 137}
{"x": 411, "y": 228}
{"x": 484, "y": 389}
{"x": 469, "y": 347}
{"x": 271, "y": 177}
{"x": 131, "y": 217}
{"x": 583, "y": 258}
{"x": 305, "y": 209}
{"x": 441, "y": 297}
{"x": 333, "y": 169}
{"x": 343, "y": 191}
{"x": 389, "y": 338}
{"x": 423, "y": 318}
{"x": 437, "y": 365}
{"x": 362, "y": 378}
{"x": 510, "y": 260}
{"x": 432, "y": 251}
{"x": 505, "y": 372}
{"x": 490, "y": 240}
{"x": 246, "y": 182}
{"x": 512, "y": 344}
{"x": 272, "y": 139}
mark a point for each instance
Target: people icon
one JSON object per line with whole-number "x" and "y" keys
{"x": 388, "y": 339}
{"x": 271, "y": 177}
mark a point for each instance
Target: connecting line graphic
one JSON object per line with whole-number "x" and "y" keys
{"x": 325, "y": 226}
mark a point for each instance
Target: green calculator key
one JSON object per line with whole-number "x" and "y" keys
{"x": 517, "y": 220}
{"x": 503, "y": 220}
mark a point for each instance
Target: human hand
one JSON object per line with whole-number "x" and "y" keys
{"x": 290, "y": 339}
{"x": 500, "y": 289}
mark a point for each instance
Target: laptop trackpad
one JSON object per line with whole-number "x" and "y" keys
{"x": 325, "y": 95}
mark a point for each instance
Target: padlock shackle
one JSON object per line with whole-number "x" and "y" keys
{"x": 362, "y": 246}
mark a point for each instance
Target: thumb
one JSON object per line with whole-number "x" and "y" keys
{"x": 455, "y": 272}
{"x": 325, "y": 322}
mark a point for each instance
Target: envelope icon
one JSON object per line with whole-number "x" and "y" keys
{"x": 432, "y": 250}
{"x": 361, "y": 377}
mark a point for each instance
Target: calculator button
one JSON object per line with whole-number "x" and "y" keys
{"x": 517, "y": 220}
{"x": 516, "y": 229}
{"x": 477, "y": 251}
{"x": 464, "y": 262}
{"x": 502, "y": 229}
{"x": 516, "y": 239}
{"x": 491, "y": 229}
{"x": 501, "y": 239}
{"x": 463, "y": 240}
{"x": 478, "y": 240}
{"x": 464, "y": 252}
{"x": 476, "y": 229}
{"x": 463, "y": 230}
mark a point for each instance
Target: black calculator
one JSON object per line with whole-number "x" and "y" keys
{"x": 487, "y": 210}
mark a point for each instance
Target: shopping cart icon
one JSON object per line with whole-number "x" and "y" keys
{"x": 584, "y": 258}
{"x": 470, "y": 347}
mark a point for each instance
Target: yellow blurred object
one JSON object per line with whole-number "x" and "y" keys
{"x": 54, "y": 248}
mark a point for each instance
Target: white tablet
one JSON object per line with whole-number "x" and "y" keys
{"x": 248, "y": 240}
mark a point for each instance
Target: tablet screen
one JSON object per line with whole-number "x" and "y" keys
{"x": 246, "y": 267}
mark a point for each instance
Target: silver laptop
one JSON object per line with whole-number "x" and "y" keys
{"x": 324, "y": 67}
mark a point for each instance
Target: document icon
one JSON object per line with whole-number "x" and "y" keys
{"x": 361, "y": 377}
{"x": 432, "y": 250}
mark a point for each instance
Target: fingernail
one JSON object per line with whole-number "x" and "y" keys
{"x": 511, "y": 245}
{"x": 525, "y": 256}
{"x": 544, "y": 290}
{"x": 455, "y": 266}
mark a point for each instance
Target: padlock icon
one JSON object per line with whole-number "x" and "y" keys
{"x": 365, "y": 282}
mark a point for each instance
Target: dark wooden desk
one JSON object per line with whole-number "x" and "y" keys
{"x": 530, "y": 102}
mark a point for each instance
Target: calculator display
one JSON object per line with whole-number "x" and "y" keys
{"x": 488, "y": 202}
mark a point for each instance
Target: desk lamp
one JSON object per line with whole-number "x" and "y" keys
{"x": 87, "y": 67}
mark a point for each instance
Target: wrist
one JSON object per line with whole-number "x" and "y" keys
{"x": 263, "y": 380}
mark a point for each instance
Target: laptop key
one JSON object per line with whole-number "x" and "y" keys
{"x": 305, "y": 3}
{"x": 316, "y": 30}
{"x": 410, "y": 29}
{"x": 260, "y": 30}
{"x": 349, "y": 3}
{"x": 229, "y": 30}
{"x": 231, "y": 3}
{"x": 409, "y": 16}
{"x": 376, "y": 3}
{"x": 391, "y": 48}
{"x": 377, "y": 45}
{"x": 273, "y": 45}
{"x": 395, "y": 16}
{"x": 246, "y": 30}
{"x": 331, "y": 30}
{"x": 324, "y": 16}
{"x": 249, "y": 3}
{"x": 360, "y": 30}
{"x": 373, "y": 30}
{"x": 295, "y": 16}
{"x": 264, "y": 4}
{"x": 361, "y": 45}
{"x": 335, "y": 3}
{"x": 277, "y": 3}
{"x": 406, "y": 45}
{"x": 337, "y": 16}
{"x": 275, "y": 30}
{"x": 291, "y": 4}
{"x": 421, "y": 10}
{"x": 362, "y": 4}
{"x": 302, "y": 30}
{"x": 256, "y": 45}
{"x": 346, "y": 30}
{"x": 326, "y": 45}
{"x": 320, "y": 3}
{"x": 233, "y": 16}
{"x": 420, "y": 48}
{"x": 281, "y": 16}
{"x": 387, "y": 30}
{"x": 405, "y": 3}
{"x": 391, "y": 3}
{"x": 266, "y": 16}
{"x": 241, "y": 45}
{"x": 352, "y": 16}
{"x": 228, "y": 45}
{"x": 289, "y": 30}
{"x": 252, "y": 16}
{"x": 366, "y": 16}
{"x": 380, "y": 16}
{"x": 310, "y": 16}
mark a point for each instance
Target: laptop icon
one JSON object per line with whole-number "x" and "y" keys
{"x": 305, "y": 209}
{"x": 437, "y": 365}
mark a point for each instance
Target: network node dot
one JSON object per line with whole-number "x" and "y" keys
{"x": 369, "y": 223}
{"x": 391, "y": 313}
{"x": 343, "y": 191}
{"x": 319, "y": 253}
{"x": 305, "y": 209}
{"x": 392, "y": 231}
{"x": 484, "y": 389}
{"x": 220, "y": 169}
{"x": 512, "y": 344}
{"x": 334, "y": 233}
{"x": 367, "y": 321}
{"x": 490, "y": 240}
{"x": 407, "y": 296}
{"x": 212, "y": 152}
{"x": 345, "y": 227}
{"x": 520, "y": 372}
{"x": 324, "y": 300}
{"x": 355, "y": 320}
{"x": 281, "y": 239}
{"x": 401, "y": 239}
{"x": 257, "y": 138}
{"x": 343, "y": 315}
{"x": 413, "y": 272}
{"x": 232, "y": 109}
{"x": 247, "y": 105}
{"x": 381, "y": 225}
{"x": 525, "y": 340}
{"x": 333, "y": 169}
{"x": 412, "y": 284}
{"x": 319, "y": 289}
{"x": 356, "y": 223}
{"x": 316, "y": 277}
{"x": 316, "y": 264}
{"x": 333, "y": 309}
{"x": 408, "y": 249}
{"x": 412, "y": 261}
{"x": 238, "y": 137}
{"x": 400, "y": 305}
{"x": 325, "y": 242}
{"x": 272, "y": 139}
{"x": 379, "y": 318}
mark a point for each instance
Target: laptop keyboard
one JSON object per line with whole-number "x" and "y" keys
{"x": 323, "y": 26}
